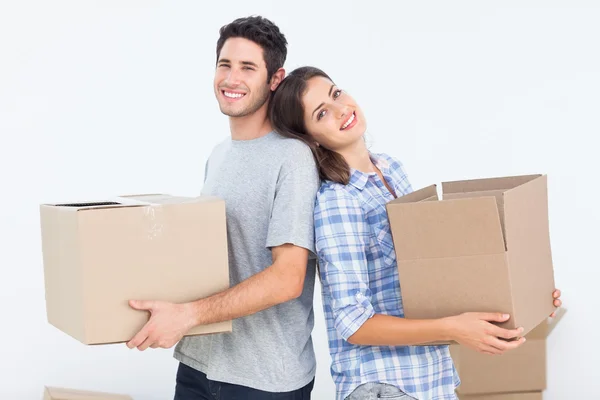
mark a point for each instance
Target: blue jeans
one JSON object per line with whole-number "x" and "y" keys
{"x": 193, "y": 385}
{"x": 375, "y": 391}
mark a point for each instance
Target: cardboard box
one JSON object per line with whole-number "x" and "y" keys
{"x": 520, "y": 370}
{"x": 505, "y": 396}
{"x": 99, "y": 255}
{"x": 52, "y": 393}
{"x": 484, "y": 246}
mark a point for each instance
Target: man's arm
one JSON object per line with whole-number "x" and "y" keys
{"x": 290, "y": 237}
{"x": 280, "y": 282}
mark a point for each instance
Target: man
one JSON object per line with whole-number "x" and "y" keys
{"x": 269, "y": 184}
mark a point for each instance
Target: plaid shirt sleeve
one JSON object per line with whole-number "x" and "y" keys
{"x": 342, "y": 236}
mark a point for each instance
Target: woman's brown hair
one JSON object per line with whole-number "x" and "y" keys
{"x": 286, "y": 112}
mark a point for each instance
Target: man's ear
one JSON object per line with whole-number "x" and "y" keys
{"x": 277, "y": 78}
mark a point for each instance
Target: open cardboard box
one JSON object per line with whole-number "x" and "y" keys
{"x": 520, "y": 370}
{"x": 54, "y": 393}
{"x": 98, "y": 255}
{"x": 483, "y": 247}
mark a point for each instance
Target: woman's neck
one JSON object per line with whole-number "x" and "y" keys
{"x": 357, "y": 156}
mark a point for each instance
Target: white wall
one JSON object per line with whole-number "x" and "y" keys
{"x": 109, "y": 97}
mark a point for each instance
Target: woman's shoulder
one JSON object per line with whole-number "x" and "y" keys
{"x": 393, "y": 162}
{"x": 335, "y": 192}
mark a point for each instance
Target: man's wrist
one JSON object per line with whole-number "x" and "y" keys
{"x": 193, "y": 311}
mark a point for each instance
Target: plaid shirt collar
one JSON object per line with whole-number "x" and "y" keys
{"x": 359, "y": 179}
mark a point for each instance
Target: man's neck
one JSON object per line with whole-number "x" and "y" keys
{"x": 251, "y": 126}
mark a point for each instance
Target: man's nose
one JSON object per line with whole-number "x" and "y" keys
{"x": 233, "y": 78}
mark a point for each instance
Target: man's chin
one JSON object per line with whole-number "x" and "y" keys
{"x": 233, "y": 113}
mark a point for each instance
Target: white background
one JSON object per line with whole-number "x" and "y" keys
{"x": 102, "y": 98}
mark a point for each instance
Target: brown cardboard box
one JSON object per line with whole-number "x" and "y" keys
{"x": 484, "y": 246}
{"x": 504, "y": 396}
{"x": 52, "y": 393}
{"x": 520, "y": 370}
{"x": 99, "y": 255}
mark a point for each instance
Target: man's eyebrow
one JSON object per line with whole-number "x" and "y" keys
{"x": 250, "y": 63}
{"x": 227, "y": 61}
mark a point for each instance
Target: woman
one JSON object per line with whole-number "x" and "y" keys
{"x": 376, "y": 353}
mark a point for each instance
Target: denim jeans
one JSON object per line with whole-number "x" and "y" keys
{"x": 376, "y": 390}
{"x": 194, "y": 385}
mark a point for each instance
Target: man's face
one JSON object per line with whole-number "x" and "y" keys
{"x": 240, "y": 83}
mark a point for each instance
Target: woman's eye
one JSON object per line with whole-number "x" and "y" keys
{"x": 321, "y": 114}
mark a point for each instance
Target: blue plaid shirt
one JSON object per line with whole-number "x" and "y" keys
{"x": 360, "y": 278}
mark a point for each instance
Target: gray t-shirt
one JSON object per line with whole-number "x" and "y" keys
{"x": 269, "y": 186}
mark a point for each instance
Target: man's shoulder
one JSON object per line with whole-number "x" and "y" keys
{"x": 292, "y": 150}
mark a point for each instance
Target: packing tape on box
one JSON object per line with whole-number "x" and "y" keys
{"x": 154, "y": 215}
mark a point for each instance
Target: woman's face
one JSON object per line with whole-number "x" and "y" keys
{"x": 332, "y": 117}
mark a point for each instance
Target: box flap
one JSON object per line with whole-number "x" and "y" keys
{"x": 529, "y": 251}
{"x": 424, "y": 194}
{"x": 486, "y": 184}
{"x": 448, "y": 228}
{"x": 141, "y": 200}
{"x": 543, "y": 330}
{"x": 93, "y": 205}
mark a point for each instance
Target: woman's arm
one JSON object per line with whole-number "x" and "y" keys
{"x": 475, "y": 330}
{"x": 342, "y": 238}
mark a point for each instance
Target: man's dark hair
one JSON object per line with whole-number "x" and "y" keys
{"x": 262, "y": 32}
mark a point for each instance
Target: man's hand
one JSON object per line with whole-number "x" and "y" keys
{"x": 168, "y": 323}
{"x": 475, "y": 330}
{"x": 557, "y": 301}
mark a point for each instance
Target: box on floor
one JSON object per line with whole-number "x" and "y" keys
{"x": 504, "y": 396}
{"x": 55, "y": 393}
{"x": 520, "y": 370}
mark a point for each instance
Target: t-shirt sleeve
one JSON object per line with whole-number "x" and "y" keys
{"x": 292, "y": 214}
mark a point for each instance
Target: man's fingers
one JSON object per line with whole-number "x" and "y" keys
{"x": 147, "y": 343}
{"x": 146, "y": 305}
{"x": 556, "y": 294}
{"x": 139, "y": 337}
